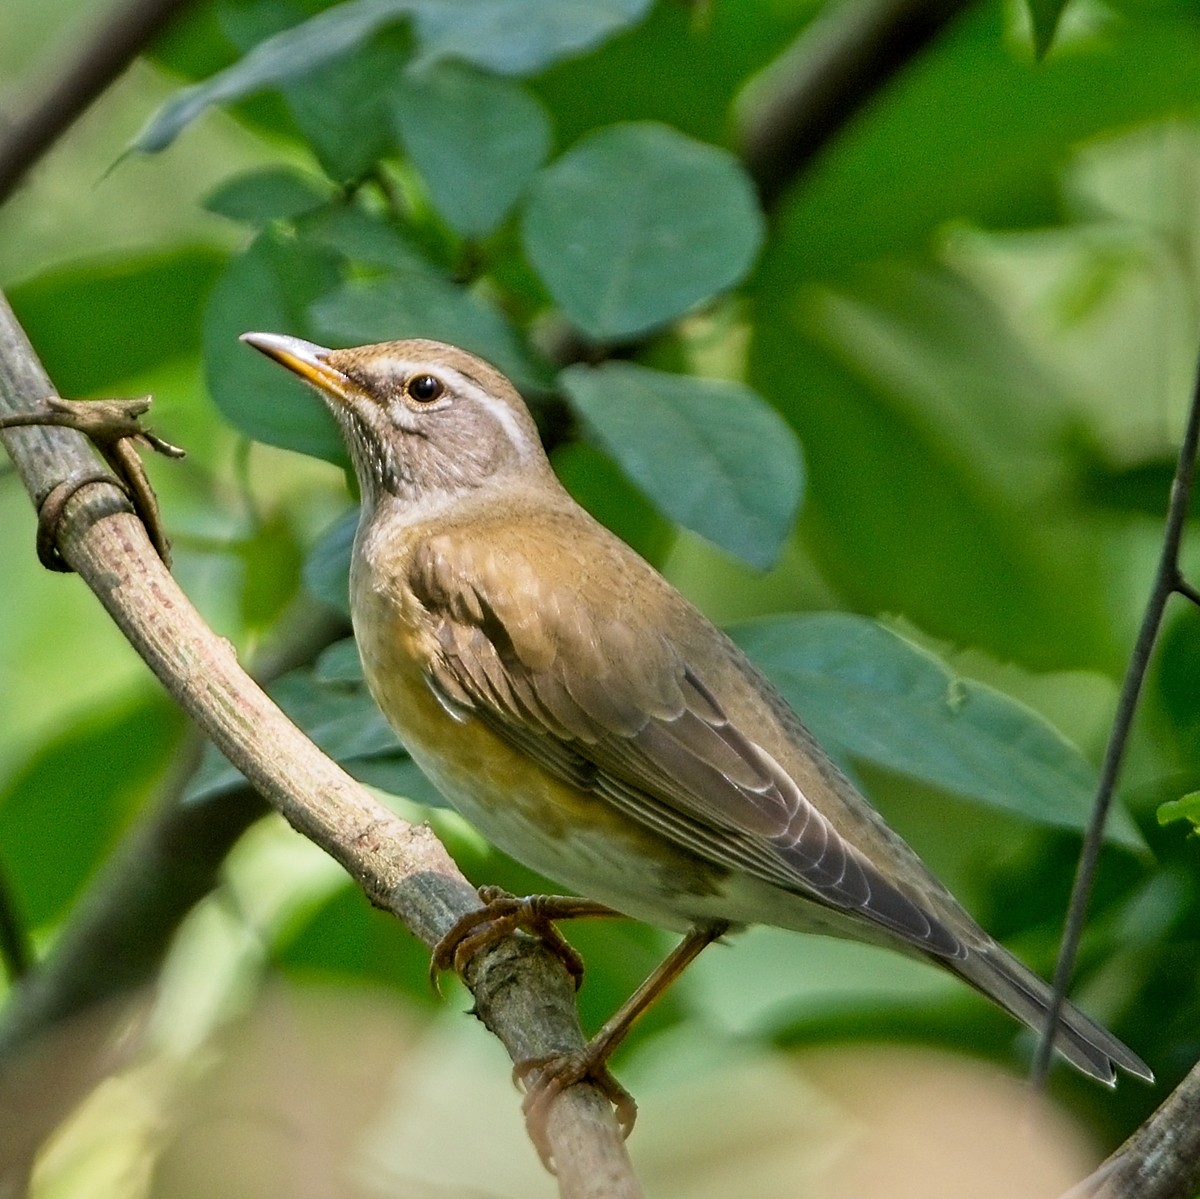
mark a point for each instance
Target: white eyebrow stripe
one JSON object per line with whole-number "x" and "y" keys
{"x": 500, "y": 411}
{"x": 464, "y": 385}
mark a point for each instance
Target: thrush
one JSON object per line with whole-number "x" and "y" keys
{"x": 592, "y": 723}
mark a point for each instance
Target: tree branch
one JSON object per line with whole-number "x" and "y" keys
{"x": 835, "y": 67}
{"x": 1167, "y": 580}
{"x": 1161, "y": 1160}
{"x": 125, "y": 33}
{"x": 521, "y": 991}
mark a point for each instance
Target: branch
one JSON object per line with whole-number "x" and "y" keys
{"x": 1161, "y": 1160}
{"x": 835, "y": 67}
{"x": 521, "y": 991}
{"x": 1167, "y": 580}
{"x": 126, "y": 32}
{"x": 89, "y": 986}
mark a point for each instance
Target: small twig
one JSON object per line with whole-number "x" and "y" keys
{"x": 1184, "y": 588}
{"x": 1167, "y": 580}
{"x": 122, "y": 36}
{"x": 113, "y": 427}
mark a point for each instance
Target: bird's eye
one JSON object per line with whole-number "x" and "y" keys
{"x": 424, "y": 388}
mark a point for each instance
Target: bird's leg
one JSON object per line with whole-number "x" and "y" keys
{"x": 502, "y": 914}
{"x": 112, "y": 426}
{"x": 544, "y": 1077}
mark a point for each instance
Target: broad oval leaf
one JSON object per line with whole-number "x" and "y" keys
{"x": 866, "y": 692}
{"x": 711, "y": 454}
{"x": 268, "y": 194}
{"x": 476, "y": 139}
{"x": 511, "y": 37}
{"x": 637, "y": 224}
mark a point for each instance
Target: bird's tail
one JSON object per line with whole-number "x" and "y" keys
{"x": 1083, "y": 1042}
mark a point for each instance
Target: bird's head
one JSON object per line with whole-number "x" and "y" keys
{"x": 423, "y": 421}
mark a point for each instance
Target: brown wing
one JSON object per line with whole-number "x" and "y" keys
{"x": 624, "y": 715}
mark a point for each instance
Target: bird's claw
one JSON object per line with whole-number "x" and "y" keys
{"x": 503, "y": 914}
{"x": 544, "y": 1078}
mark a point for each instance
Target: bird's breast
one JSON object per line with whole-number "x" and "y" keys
{"x": 562, "y": 831}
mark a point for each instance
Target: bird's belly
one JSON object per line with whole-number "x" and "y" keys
{"x": 572, "y": 836}
{"x": 568, "y": 834}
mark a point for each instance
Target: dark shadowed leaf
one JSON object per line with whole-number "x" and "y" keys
{"x": 89, "y": 320}
{"x": 340, "y": 663}
{"x": 344, "y": 722}
{"x": 63, "y": 810}
{"x": 285, "y": 56}
{"x": 1045, "y": 15}
{"x": 327, "y": 569}
{"x": 367, "y": 240}
{"x": 423, "y": 304}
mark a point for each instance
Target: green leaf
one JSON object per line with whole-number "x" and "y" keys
{"x": 268, "y": 194}
{"x": 932, "y": 438}
{"x": 511, "y": 37}
{"x": 637, "y": 224}
{"x": 711, "y": 454}
{"x": 272, "y": 560}
{"x": 476, "y": 139}
{"x": 63, "y": 810}
{"x": 1186, "y": 807}
{"x": 90, "y": 321}
{"x": 869, "y": 693}
{"x": 344, "y": 113}
{"x": 1045, "y": 15}
{"x": 286, "y": 56}
{"x": 973, "y": 133}
{"x": 327, "y": 570}
{"x": 423, "y": 304}
{"x": 598, "y": 483}
{"x": 519, "y": 37}
{"x": 366, "y": 240}
{"x": 267, "y": 288}
{"x": 340, "y": 663}
{"x": 346, "y": 936}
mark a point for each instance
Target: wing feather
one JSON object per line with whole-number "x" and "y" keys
{"x": 624, "y": 716}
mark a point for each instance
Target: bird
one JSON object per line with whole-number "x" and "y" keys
{"x": 591, "y": 722}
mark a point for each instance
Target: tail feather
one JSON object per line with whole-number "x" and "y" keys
{"x": 1083, "y": 1042}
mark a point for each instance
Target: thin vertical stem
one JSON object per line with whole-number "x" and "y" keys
{"x": 1167, "y": 579}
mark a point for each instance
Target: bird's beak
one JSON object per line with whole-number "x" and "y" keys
{"x": 307, "y": 360}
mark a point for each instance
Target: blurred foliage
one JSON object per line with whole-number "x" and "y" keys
{"x": 937, "y": 387}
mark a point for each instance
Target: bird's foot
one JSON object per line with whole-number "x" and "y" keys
{"x": 544, "y": 1078}
{"x": 502, "y": 914}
